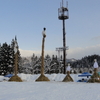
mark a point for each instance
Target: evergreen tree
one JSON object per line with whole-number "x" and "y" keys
{"x": 6, "y": 63}
{"x": 12, "y": 53}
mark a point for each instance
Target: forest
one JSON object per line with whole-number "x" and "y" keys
{"x": 32, "y": 65}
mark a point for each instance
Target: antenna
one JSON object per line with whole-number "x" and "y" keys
{"x": 63, "y": 12}
{"x": 62, "y": 3}
{"x": 66, "y": 3}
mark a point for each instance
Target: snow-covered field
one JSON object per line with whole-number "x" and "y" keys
{"x": 53, "y": 90}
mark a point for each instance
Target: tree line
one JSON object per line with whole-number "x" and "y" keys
{"x": 55, "y": 65}
{"x": 33, "y": 66}
{"x": 86, "y": 61}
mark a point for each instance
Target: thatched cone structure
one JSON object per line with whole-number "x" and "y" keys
{"x": 15, "y": 78}
{"x": 68, "y": 78}
{"x": 42, "y": 78}
{"x": 95, "y": 77}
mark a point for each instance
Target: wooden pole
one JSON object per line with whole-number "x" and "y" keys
{"x": 42, "y": 61}
{"x": 42, "y": 77}
{"x": 16, "y": 58}
{"x": 16, "y": 65}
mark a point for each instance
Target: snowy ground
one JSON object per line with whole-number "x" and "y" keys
{"x": 53, "y": 90}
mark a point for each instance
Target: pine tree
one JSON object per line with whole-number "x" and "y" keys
{"x": 12, "y": 54}
{"x": 6, "y": 63}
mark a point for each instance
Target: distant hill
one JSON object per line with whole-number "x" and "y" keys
{"x": 86, "y": 61}
{"x": 71, "y": 60}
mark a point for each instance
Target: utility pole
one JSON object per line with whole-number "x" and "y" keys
{"x": 63, "y": 15}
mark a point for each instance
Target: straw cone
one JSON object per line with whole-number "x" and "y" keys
{"x": 15, "y": 78}
{"x": 42, "y": 78}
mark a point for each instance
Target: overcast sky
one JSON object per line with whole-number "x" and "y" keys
{"x": 26, "y": 19}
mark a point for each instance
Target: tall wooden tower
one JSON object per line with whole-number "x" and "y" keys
{"x": 63, "y": 15}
